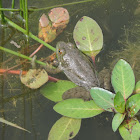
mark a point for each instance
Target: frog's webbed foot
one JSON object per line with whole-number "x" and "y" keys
{"x": 105, "y": 79}
{"x": 33, "y": 62}
{"x": 51, "y": 69}
{"x": 77, "y": 92}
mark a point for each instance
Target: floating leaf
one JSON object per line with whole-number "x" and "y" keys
{"x": 133, "y": 105}
{"x": 119, "y": 102}
{"x": 123, "y": 79}
{"x": 103, "y": 98}
{"x": 44, "y": 21}
{"x": 117, "y": 120}
{"x": 34, "y": 78}
{"x": 12, "y": 124}
{"x": 49, "y": 30}
{"x": 88, "y": 36}
{"x": 130, "y": 129}
{"x": 77, "y": 108}
{"x": 137, "y": 87}
{"x": 64, "y": 129}
{"x": 54, "y": 91}
{"x": 59, "y": 17}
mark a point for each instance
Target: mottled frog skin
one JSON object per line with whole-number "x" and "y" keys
{"x": 76, "y": 66}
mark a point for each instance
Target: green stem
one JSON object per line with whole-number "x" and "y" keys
{"x": 30, "y": 34}
{"x": 13, "y": 4}
{"x": 21, "y": 9}
{"x": 8, "y": 9}
{"x": 26, "y": 17}
{"x": 2, "y": 14}
{"x": 21, "y": 55}
{"x": 66, "y": 4}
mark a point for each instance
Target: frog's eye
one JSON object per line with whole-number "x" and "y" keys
{"x": 61, "y": 51}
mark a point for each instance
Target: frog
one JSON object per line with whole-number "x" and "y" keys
{"x": 80, "y": 70}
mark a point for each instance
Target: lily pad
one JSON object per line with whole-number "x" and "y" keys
{"x": 77, "y": 108}
{"x": 130, "y": 129}
{"x": 103, "y": 98}
{"x": 119, "y": 102}
{"x": 137, "y": 87}
{"x": 123, "y": 79}
{"x": 34, "y": 78}
{"x": 65, "y": 129}
{"x": 117, "y": 120}
{"x": 133, "y": 105}
{"x": 54, "y": 91}
{"x": 88, "y": 36}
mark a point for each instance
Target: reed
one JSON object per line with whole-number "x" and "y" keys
{"x": 26, "y": 17}
{"x": 2, "y": 14}
{"x": 13, "y": 4}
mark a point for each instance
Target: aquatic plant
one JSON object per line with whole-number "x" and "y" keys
{"x": 88, "y": 37}
{"x": 125, "y": 104}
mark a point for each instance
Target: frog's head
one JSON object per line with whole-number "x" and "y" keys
{"x": 62, "y": 48}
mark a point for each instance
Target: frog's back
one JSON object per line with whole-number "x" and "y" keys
{"x": 79, "y": 69}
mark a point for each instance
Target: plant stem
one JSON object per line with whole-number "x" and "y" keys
{"x": 8, "y": 9}
{"x": 30, "y": 34}
{"x": 60, "y": 5}
{"x": 2, "y": 14}
{"x": 26, "y": 17}
{"x": 13, "y": 4}
{"x": 21, "y": 55}
{"x": 21, "y": 8}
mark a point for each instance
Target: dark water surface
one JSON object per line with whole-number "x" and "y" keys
{"x": 32, "y": 111}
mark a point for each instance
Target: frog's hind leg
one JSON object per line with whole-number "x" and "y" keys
{"x": 77, "y": 92}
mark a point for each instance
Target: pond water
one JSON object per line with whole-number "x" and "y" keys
{"x": 32, "y": 111}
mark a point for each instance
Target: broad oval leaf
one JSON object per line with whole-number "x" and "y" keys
{"x": 123, "y": 79}
{"x": 88, "y": 36}
{"x": 54, "y": 91}
{"x": 133, "y": 105}
{"x": 103, "y": 98}
{"x": 117, "y": 120}
{"x": 130, "y": 129}
{"x": 77, "y": 108}
{"x": 64, "y": 129}
{"x": 119, "y": 102}
{"x": 137, "y": 87}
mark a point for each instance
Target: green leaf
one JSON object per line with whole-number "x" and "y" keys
{"x": 54, "y": 91}
{"x": 137, "y": 87}
{"x": 88, "y": 36}
{"x": 77, "y": 108}
{"x": 103, "y": 98}
{"x": 123, "y": 79}
{"x": 130, "y": 129}
{"x": 117, "y": 120}
{"x": 133, "y": 105}
{"x": 64, "y": 129}
{"x": 119, "y": 102}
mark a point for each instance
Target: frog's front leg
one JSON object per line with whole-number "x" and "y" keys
{"x": 33, "y": 64}
{"x": 51, "y": 69}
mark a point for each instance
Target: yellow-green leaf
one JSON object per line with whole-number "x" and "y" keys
{"x": 65, "y": 129}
